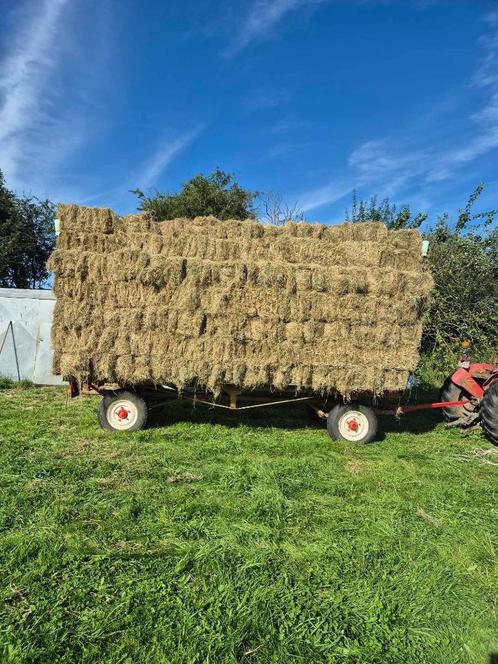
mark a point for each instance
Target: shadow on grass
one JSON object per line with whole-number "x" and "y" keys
{"x": 288, "y": 416}
{"x": 414, "y": 423}
{"x": 280, "y": 416}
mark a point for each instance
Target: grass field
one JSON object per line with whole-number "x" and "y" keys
{"x": 226, "y": 539}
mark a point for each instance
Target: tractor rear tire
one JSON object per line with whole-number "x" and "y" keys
{"x": 489, "y": 412}
{"x": 452, "y": 392}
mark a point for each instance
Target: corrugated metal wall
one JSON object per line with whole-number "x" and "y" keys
{"x": 25, "y": 322}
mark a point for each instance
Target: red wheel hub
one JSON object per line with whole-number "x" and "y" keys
{"x": 122, "y": 414}
{"x": 353, "y": 424}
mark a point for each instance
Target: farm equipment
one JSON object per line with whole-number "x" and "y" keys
{"x": 468, "y": 399}
{"x": 258, "y": 315}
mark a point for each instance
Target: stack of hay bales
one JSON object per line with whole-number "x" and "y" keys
{"x": 209, "y": 302}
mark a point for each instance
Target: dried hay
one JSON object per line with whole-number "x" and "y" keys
{"x": 209, "y": 302}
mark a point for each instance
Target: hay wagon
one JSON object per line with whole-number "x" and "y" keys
{"x": 127, "y": 408}
{"x": 468, "y": 399}
{"x": 236, "y": 314}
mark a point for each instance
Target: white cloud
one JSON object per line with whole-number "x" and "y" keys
{"x": 264, "y": 98}
{"x": 388, "y": 168}
{"x": 149, "y": 173}
{"x": 486, "y": 119}
{"x": 162, "y": 156}
{"x": 24, "y": 73}
{"x": 326, "y": 195}
{"x": 262, "y": 18}
{"x": 290, "y": 126}
{"x": 375, "y": 165}
{"x": 452, "y": 159}
{"x": 374, "y": 160}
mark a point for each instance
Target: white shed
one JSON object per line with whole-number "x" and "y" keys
{"x": 25, "y": 323}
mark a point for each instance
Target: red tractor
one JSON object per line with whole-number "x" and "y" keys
{"x": 471, "y": 397}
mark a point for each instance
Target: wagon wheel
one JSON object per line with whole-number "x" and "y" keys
{"x": 122, "y": 411}
{"x": 353, "y": 422}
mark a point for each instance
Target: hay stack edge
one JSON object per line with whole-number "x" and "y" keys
{"x": 209, "y": 302}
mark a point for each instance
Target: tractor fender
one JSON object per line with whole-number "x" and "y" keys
{"x": 467, "y": 379}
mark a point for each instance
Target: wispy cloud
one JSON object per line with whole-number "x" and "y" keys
{"x": 24, "y": 73}
{"x": 485, "y": 138}
{"x": 375, "y": 160}
{"x": 56, "y": 61}
{"x": 150, "y": 171}
{"x": 264, "y": 98}
{"x": 163, "y": 155}
{"x": 391, "y": 167}
{"x": 290, "y": 126}
{"x": 263, "y": 17}
{"x": 487, "y": 72}
{"x": 326, "y": 195}
{"x": 374, "y": 165}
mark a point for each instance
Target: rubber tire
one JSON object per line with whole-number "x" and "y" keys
{"x": 489, "y": 412}
{"x": 339, "y": 410}
{"x": 136, "y": 399}
{"x": 452, "y": 392}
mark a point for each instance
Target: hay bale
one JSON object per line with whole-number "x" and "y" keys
{"x": 209, "y": 302}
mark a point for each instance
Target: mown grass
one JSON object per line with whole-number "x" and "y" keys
{"x": 226, "y": 539}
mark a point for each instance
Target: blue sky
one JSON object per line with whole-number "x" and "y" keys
{"x": 310, "y": 98}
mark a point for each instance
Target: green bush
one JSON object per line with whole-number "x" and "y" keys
{"x": 218, "y": 194}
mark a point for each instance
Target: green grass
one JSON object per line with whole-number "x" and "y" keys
{"x": 227, "y": 539}
{"x": 8, "y": 383}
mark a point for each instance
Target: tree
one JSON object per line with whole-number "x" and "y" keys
{"x": 463, "y": 258}
{"x": 464, "y": 264}
{"x": 274, "y": 210}
{"x": 218, "y": 194}
{"x": 385, "y": 211}
{"x": 27, "y": 237}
